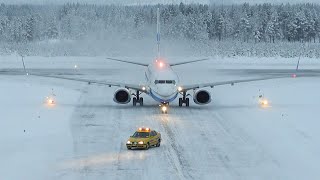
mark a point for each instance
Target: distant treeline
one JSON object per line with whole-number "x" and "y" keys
{"x": 247, "y": 23}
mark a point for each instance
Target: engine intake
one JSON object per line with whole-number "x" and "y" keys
{"x": 122, "y": 96}
{"x": 201, "y": 97}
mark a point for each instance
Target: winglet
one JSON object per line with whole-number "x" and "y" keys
{"x": 24, "y": 67}
{"x": 297, "y": 68}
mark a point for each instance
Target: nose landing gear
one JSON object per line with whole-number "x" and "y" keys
{"x": 164, "y": 108}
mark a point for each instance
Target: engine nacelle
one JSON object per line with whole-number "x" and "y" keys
{"x": 122, "y": 96}
{"x": 201, "y": 97}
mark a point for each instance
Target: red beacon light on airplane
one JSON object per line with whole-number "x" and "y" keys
{"x": 160, "y": 63}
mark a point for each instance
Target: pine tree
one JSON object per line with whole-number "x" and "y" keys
{"x": 220, "y": 27}
{"x": 30, "y": 28}
{"x": 245, "y": 28}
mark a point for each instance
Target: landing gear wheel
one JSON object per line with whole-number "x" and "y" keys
{"x": 184, "y": 100}
{"x": 137, "y": 99}
{"x": 128, "y": 148}
{"x": 141, "y": 101}
{"x": 134, "y": 101}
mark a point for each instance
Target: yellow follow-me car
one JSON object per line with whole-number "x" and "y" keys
{"x": 144, "y": 138}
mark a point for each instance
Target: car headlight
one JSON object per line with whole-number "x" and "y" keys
{"x": 140, "y": 142}
{"x": 128, "y": 142}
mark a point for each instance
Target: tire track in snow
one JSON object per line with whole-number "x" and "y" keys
{"x": 232, "y": 149}
{"x": 90, "y": 129}
{"x": 82, "y": 114}
{"x": 175, "y": 151}
{"x": 214, "y": 155}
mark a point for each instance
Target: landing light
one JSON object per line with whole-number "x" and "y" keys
{"x": 161, "y": 64}
{"x": 50, "y": 101}
{"x": 164, "y": 108}
{"x": 264, "y": 103}
{"x": 179, "y": 88}
{"x": 143, "y": 88}
{"x": 75, "y": 66}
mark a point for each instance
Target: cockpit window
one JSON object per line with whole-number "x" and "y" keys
{"x": 165, "y": 82}
{"x": 170, "y": 82}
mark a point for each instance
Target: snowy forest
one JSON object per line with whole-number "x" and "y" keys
{"x": 251, "y": 30}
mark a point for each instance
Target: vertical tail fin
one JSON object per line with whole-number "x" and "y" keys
{"x": 158, "y": 31}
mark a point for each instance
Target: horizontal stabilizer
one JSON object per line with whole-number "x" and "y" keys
{"x": 129, "y": 62}
{"x": 187, "y": 62}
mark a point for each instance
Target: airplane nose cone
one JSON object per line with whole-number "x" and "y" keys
{"x": 165, "y": 90}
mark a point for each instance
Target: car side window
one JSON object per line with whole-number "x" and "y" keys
{"x": 153, "y": 133}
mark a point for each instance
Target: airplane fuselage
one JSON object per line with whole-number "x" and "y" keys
{"x": 162, "y": 82}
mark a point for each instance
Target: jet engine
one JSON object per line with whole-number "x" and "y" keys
{"x": 122, "y": 96}
{"x": 201, "y": 97}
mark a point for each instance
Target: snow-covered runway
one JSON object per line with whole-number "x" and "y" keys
{"x": 84, "y": 136}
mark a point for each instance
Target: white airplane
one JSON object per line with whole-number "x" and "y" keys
{"x": 162, "y": 83}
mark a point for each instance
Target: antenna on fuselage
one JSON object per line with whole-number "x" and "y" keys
{"x": 158, "y": 31}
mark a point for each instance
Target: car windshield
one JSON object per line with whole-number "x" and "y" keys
{"x": 141, "y": 134}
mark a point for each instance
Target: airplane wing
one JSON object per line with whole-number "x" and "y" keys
{"x": 130, "y": 62}
{"x": 232, "y": 82}
{"x": 140, "y": 88}
{"x": 293, "y": 74}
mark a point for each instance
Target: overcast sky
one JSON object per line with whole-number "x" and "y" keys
{"x": 137, "y": 2}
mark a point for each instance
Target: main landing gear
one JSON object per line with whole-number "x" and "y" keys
{"x": 137, "y": 99}
{"x": 184, "y": 100}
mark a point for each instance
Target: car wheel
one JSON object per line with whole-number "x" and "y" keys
{"x": 141, "y": 101}
{"x": 128, "y": 148}
{"x": 158, "y": 144}
{"x": 147, "y": 146}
